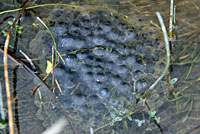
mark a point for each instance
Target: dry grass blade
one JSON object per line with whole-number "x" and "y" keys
{"x": 58, "y": 85}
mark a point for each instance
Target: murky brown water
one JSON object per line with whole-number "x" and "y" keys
{"x": 179, "y": 115}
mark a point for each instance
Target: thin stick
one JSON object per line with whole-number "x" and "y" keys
{"x": 58, "y": 85}
{"x": 35, "y": 89}
{"x": 77, "y": 86}
{"x": 59, "y": 56}
{"x": 9, "y": 101}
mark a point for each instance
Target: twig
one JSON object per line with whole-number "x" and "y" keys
{"x": 58, "y": 85}
{"x": 9, "y": 101}
{"x": 35, "y": 89}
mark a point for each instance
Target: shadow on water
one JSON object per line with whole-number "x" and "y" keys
{"x": 30, "y": 111}
{"x": 179, "y": 114}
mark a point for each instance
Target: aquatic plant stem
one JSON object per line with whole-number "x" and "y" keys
{"x": 171, "y": 19}
{"x": 54, "y": 41}
{"x": 166, "y": 47}
{"x": 43, "y": 5}
{"x": 167, "y": 55}
{"x": 8, "y": 93}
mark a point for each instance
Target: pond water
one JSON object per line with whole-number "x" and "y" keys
{"x": 96, "y": 98}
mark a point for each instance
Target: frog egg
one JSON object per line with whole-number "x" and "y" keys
{"x": 130, "y": 61}
{"x": 59, "y": 72}
{"x": 106, "y": 26}
{"x": 137, "y": 75}
{"x": 141, "y": 86}
{"x": 98, "y": 31}
{"x": 109, "y": 66}
{"x": 82, "y": 90}
{"x": 100, "y": 107}
{"x": 100, "y": 77}
{"x": 122, "y": 38}
{"x": 81, "y": 55}
{"x": 71, "y": 62}
{"x": 78, "y": 44}
{"x": 140, "y": 49}
{"x": 122, "y": 26}
{"x": 74, "y": 29}
{"x": 149, "y": 69}
{"x": 98, "y": 62}
{"x": 99, "y": 40}
{"x": 65, "y": 79}
{"x": 78, "y": 100}
{"x": 94, "y": 22}
{"x": 87, "y": 77}
{"x": 85, "y": 68}
{"x": 96, "y": 86}
{"x": 85, "y": 31}
{"x": 138, "y": 66}
{"x": 110, "y": 44}
{"x": 114, "y": 56}
{"x": 113, "y": 102}
{"x": 93, "y": 99}
{"x": 104, "y": 93}
{"x": 124, "y": 88}
{"x": 113, "y": 35}
{"x": 115, "y": 81}
{"x": 89, "y": 59}
{"x": 59, "y": 30}
{"x": 97, "y": 69}
{"x": 84, "y": 21}
{"x": 121, "y": 70}
{"x": 84, "y": 110}
{"x": 115, "y": 20}
{"x": 130, "y": 34}
{"x": 66, "y": 43}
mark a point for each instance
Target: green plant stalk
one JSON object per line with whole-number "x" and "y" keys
{"x": 182, "y": 97}
{"x": 187, "y": 115}
{"x": 43, "y": 5}
{"x": 54, "y": 41}
{"x": 185, "y": 63}
{"x": 191, "y": 66}
{"x": 41, "y": 100}
{"x": 171, "y": 19}
{"x": 114, "y": 121}
{"x": 174, "y": 16}
{"x": 167, "y": 55}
